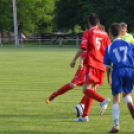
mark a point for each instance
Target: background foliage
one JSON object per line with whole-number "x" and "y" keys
{"x": 60, "y": 15}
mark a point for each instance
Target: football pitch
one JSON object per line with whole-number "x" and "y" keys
{"x": 29, "y": 75}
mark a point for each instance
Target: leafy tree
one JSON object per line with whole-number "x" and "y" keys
{"x": 68, "y": 13}
{"x": 6, "y": 18}
{"x": 35, "y": 15}
{"x": 75, "y": 12}
{"x": 32, "y": 15}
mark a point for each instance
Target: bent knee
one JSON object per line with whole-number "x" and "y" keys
{"x": 72, "y": 85}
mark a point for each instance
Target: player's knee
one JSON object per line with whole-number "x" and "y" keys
{"x": 124, "y": 94}
{"x": 72, "y": 85}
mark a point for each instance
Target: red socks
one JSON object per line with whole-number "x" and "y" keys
{"x": 83, "y": 100}
{"x": 62, "y": 90}
{"x": 88, "y": 105}
{"x": 94, "y": 95}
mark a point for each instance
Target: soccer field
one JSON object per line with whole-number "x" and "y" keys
{"x": 29, "y": 75}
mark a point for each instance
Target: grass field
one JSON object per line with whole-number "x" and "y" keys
{"x": 28, "y": 76}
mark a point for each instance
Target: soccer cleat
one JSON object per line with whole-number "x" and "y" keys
{"x": 50, "y": 98}
{"x": 104, "y": 105}
{"x": 84, "y": 119}
{"x": 114, "y": 129}
{"x": 131, "y": 108}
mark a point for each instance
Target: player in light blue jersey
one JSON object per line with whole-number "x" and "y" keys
{"x": 121, "y": 54}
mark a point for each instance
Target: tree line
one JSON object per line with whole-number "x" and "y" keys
{"x": 63, "y": 15}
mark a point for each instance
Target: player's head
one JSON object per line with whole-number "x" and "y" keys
{"x": 123, "y": 28}
{"x": 101, "y": 27}
{"x": 115, "y": 30}
{"x": 93, "y": 20}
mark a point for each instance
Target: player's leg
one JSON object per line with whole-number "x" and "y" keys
{"x": 83, "y": 100}
{"x": 128, "y": 86}
{"x": 88, "y": 90}
{"x": 115, "y": 113}
{"x": 77, "y": 80}
{"x": 61, "y": 91}
{"x": 128, "y": 100}
{"x": 86, "y": 110}
{"x": 87, "y": 102}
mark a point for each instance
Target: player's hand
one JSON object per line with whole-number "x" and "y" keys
{"x": 80, "y": 66}
{"x": 72, "y": 64}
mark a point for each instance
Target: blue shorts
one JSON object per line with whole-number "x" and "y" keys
{"x": 122, "y": 80}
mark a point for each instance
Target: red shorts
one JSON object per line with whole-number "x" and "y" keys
{"x": 79, "y": 76}
{"x": 94, "y": 75}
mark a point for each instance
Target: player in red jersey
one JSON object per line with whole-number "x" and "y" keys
{"x": 95, "y": 42}
{"x": 77, "y": 80}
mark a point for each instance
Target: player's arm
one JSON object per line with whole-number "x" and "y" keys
{"x": 107, "y": 63}
{"x": 81, "y": 63}
{"x": 82, "y": 58}
{"x": 109, "y": 77}
{"x": 83, "y": 46}
{"x": 78, "y": 54}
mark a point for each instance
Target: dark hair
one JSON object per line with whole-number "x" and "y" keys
{"x": 123, "y": 24}
{"x": 115, "y": 29}
{"x": 101, "y": 27}
{"x": 93, "y": 19}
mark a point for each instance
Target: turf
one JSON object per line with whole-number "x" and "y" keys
{"x": 28, "y": 75}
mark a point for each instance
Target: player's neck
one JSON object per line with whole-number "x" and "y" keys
{"x": 92, "y": 26}
{"x": 118, "y": 37}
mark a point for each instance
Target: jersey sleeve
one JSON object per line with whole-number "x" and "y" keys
{"x": 84, "y": 41}
{"x": 106, "y": 60}
{"x": 84, "y": 55}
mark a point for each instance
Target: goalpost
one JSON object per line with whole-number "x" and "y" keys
{"x": 15, "y": 24}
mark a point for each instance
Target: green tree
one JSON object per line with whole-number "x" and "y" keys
{"x": 75, "y": 12}
{"x": 35, "y": 15}
{"x": 32, "y": 15}
{"x": 6, "y": 18}
{"x": 68, "y": 14}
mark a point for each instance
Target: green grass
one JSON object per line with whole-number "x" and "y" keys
{"x": 28, "y": 76}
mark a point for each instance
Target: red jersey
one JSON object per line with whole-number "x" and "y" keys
{"x": 95, "y": 42}
{"x": 84, "y": 55}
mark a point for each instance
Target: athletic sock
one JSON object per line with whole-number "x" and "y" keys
{"x": 88, "y": 105}
{"x": 94, "y": 95}
{"x": 83, "y": 100}
{"x": 115, "y": 113}
{"x": 128, "y": 99}
{"x": 62, "y": 90}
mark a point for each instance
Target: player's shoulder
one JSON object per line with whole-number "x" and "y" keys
{"x": 129, "y": 35}
{"x": 121, "y": 42}
{"x": 86, "y": 33}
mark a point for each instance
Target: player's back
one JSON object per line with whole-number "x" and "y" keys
{"x": 121, "y": 53}
{"x": 98, "y": 41}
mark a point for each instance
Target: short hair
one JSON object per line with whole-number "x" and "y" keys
{"x": 115, "y": 29}
{"x": 93, "y": 19}
{"x": 101, "y": 27}
{"x": 123, "y": 24}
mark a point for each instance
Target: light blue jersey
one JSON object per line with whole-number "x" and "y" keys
{"x": 121, "y": 54}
